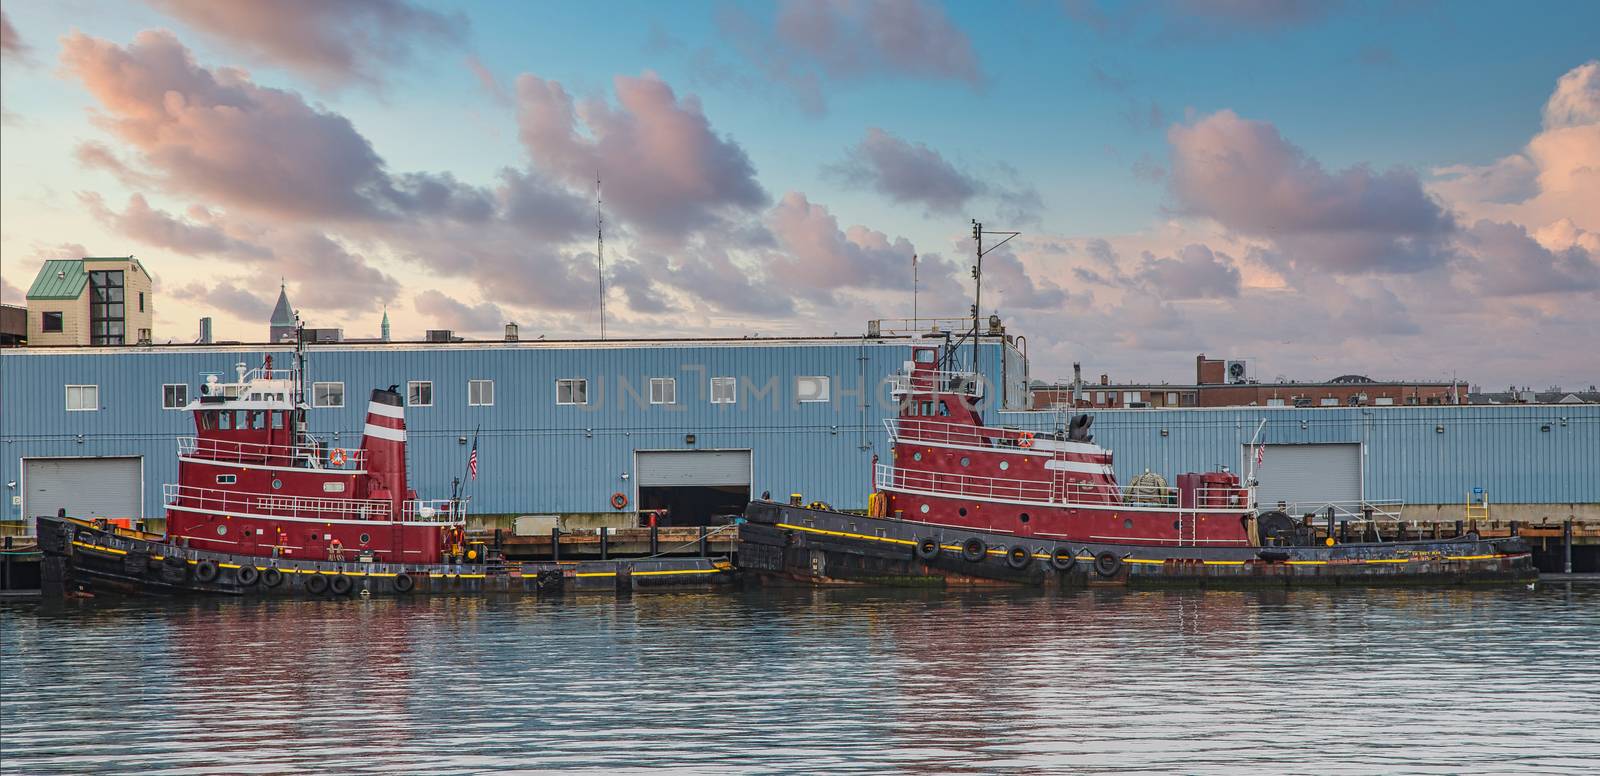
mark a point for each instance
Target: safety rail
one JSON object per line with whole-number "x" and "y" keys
{"x": 940, "y": 432}
{"x": 440, "y": 510}
{"x": 944, "y": 483}
{"x": 311, "y": 456}
{"x": 1387, "y": 509}
{"x": 273, "y": 505}
{"x": 1061, "y": 492}
{"x": 926, "y": 381}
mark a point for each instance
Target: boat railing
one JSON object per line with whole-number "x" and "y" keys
{"x": 1060, "y": 492}
{"x": 441, "y": 510}
{"x": 942, "y": 432}
{"x": 949, "y": 483}
{"x": 313, "y": 455}
{"x": 272, "y": 504}
{"x": 930, "y": 381}
{"x": 1346, "y": 511}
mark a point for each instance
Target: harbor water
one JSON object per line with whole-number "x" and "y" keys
{"x": 1495, "y": 680}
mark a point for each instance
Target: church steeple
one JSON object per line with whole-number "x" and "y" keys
{"x": 282, "y": 324}
{"x": 383, "y": 328}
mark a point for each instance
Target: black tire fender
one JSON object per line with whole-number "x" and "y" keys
{"x": 206, "y": 571}
{"x": 340, "y": 585}
{"x": 1107, "y": 564}
{"x": 404, "y": 583}
{"x": 974, "y": 550}
{"x": 1063, "y": 558}
{"x": 248, "y": 575}
{"x": 927, "y": 548}
{"x": 317, "y": 584}
{"x": 272, "y": 577}
{"x": 1019, "y": 557}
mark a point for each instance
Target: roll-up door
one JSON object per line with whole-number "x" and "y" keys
{"x": 1309, "y": 475}
{"x": 693, "y": 467}
{"x": 85, "y": 487}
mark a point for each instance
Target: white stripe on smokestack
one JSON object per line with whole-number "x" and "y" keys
{"x": 391, "y": 434}
{"x": 386, "y": 410}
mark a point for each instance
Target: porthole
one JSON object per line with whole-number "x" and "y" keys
{"x": 916, "y": 456}
{"x": 1177, "y": 525}
{"x": 962, "y": 511}
{"x": 924, "y": 509}
{"x": 365, "y": 538}
{"x": 1005, "y": 465}
{"x": 1128, "y": 524}
{"x": 965, "y": 461}
{"x": 277, "y": 484}
{"x": 1023, "y": 517}
{"x": 222, "y": 530}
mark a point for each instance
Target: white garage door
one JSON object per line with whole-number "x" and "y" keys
{"x": 1309, "y": 475}
{"x": 85, "y": 487}
{"x": 693, "y": 467}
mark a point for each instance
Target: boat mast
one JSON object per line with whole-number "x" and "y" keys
{"x": 977, "y": 287}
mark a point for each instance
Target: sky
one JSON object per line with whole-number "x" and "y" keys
{"x": 1403, "y": 189}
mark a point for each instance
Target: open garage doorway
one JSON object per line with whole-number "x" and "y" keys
{"x": 694, "y": 487}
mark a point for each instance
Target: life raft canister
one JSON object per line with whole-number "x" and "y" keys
{"x": 338, "y": 456}
{"x": 618, "y": 500}
{"x": 1025, "y": 439}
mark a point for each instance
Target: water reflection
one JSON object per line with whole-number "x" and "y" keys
{"x": 1495, "y": 680}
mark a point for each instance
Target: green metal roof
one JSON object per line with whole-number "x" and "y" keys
{"x": 59, "y": 279}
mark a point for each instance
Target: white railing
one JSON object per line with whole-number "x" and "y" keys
{"x": 1387, "y": 509}
{"x": 960, "y": 383}
{"x": 895, "y": 478}
{"x": 440, "y": 510}
{"x": 1060, "y": 492}
{"x": 274, "y": 505}
{"x": 940, "y": 432}
{"x": 311, "y": 456}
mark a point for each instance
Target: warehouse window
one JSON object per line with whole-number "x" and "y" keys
{"x": 722, "y": 390}
{"x": 480, "y": 393}
{"x": 174, "y": 396}
{"x": 327, "y": 394}
{"x": 572, "y": 391}
{"x": 1099, "y": 397}
{"x": 811, "y": 389}
{"x": 663, "y": 390}
{"x": 1129, "y": 397}
{"x": 419, "y": 393}
{"x": 1172, "y": 398}
{"x": 83, "y": 398}
{"x": 1330, "y": 402}
{"x": 50, "y": 321}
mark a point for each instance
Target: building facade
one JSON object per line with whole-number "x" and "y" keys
{"x": 105, "y": 301}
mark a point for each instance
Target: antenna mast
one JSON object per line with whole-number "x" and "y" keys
{"x": 600, "y": 252}
{"x": 977, "y": 277}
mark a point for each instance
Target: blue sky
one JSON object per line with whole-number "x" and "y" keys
{"x": 1065, "y": 120}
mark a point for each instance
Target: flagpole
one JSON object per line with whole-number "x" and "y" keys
{"x": 465, "y": 466}
{"x": 914, "y": 324}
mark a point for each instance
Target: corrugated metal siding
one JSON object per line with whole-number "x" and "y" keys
{"x": 537, "y": 457}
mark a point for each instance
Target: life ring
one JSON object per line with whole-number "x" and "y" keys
{"x": 974, "y": 550}
{"x": 272, "y": 577}
{"x": 317, "y": 584}
{"x": 927, "y": 548}
{"x": 1025, "y": 439}
{"x": 340, "y": 585}
{"x": 403, "y": 582}
{"x": 338, "y": 456}
{"x": 1018, "y": 557}
{"x": 1107, "y": 564}
{"x": 618, "y": 500}
{"x": 248, "y": 575}
{"x": 1063, "y": 558}
{"x": 205, "y": 570}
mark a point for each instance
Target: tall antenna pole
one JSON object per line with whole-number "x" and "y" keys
{"x": 914, "y": 323}
{"x": 600, "y": 252}
{"x": 977, "y": 277}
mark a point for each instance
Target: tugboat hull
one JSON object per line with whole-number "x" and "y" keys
{"x": 81, "y": 558}
{"x": 782, "y": 544}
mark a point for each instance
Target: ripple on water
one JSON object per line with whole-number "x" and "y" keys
{"x": 1500, "y": 680}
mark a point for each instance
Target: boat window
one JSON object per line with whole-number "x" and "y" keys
{"x": 277, "y": 419}
{"x": 225, "y": 420}
{"x": 944, "y": 409}
{"x": 208, "y": 420}
{"x": 227, "y": 479}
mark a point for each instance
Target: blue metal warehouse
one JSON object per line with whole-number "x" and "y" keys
{"x": 562, "y": 426}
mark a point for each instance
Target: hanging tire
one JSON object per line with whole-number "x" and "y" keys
{"x": 404, "y": 583}
{"x": 317, "y": 584}
{"x": 550, "y": 581}
{"x": 206, "y": 571}
{"x": 927, "y": 548}
{"x": 1063, "y": 558}
{"x": 1018, "y": 557}
{"x": 974, "y": 550}
{"x": 1107, "y": 564}
{"x": 248, "y": 575}
{"x": 340, "y": 585}
{"x": 272, "y": 577}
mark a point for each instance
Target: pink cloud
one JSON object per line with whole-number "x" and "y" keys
{"x": 449, "y": 313}
{"x": 334, "y": 43}
{"x": 11, "y": 45}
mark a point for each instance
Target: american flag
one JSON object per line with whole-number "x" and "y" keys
{"x": 472, "y": 461}
{"x": 1261, "y": 454}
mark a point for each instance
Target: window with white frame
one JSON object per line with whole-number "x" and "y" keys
{"x": 723, "y": 390}
{"x": 663, "y": 390}
{"x": 419, "y": 393}
{"x": 174, "y": 396}
{"x": 572, "y": 391}
{"x": 1129, "y": 397}
{"x": 83, "y": 398}
{"x": 480, "y": 393}
{"x": 1172, "y": 398}
{"x": 327, "y": 394}
{"x": 811, "y": 389}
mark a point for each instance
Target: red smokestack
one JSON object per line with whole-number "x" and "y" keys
{"x": 385, "y": 443}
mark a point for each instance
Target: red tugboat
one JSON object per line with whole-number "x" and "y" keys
{"x": 264, "y": 507}
{"x": 962, "y": 502}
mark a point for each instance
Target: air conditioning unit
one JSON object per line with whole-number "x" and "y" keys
{"x": 1236, "y": 372}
